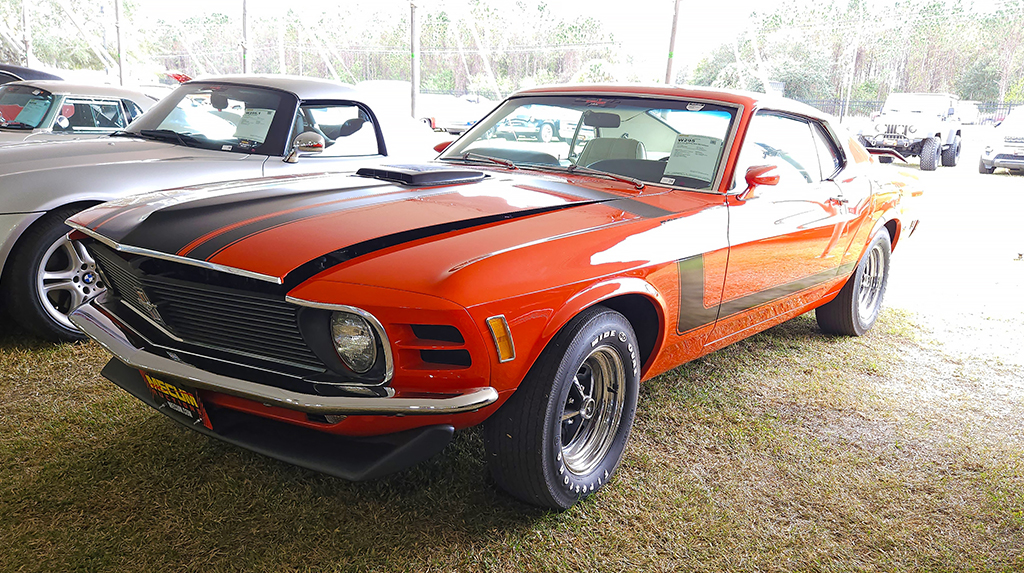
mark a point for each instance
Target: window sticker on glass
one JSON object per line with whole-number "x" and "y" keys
{"x": 694, "y": 156}
{"x": 255, "y": 124}
{"x": 33, "y": 111}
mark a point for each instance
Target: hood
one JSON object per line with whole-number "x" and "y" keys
{"x": 271, "y": 229}
{"x": 37, "y": 176}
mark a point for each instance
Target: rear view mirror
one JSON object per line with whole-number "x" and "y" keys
{"x": 601, "y": 119}
{"x": 757, "y": 176}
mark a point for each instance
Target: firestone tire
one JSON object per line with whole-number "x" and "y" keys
{"x": 985, "y": 170}
{"x": 951, "y": 155}
{"x": 49, "y": 277}
{"x": 854, "y": 311}
{"x": 562, "y": 434}
{"x": 930, "y": 154}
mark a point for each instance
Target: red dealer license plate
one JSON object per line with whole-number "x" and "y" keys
{"x": 184, "y": 401}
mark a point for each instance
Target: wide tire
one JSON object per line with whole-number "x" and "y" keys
{"x": 985, "y": 170}
{"x": 48, "y": 277}
{"x": 951, "y": 155}
{"x": 547, "y": 132}
{"x": 854, "y": 311}
{"x": 562, "y": 434}
{"x": 930, "y": 154}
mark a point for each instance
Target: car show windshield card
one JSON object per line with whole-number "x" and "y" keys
{"x": 694, "y": 156}
{"x": 185, "y": 402}
{"x": 33, "y": 111}
{"x": 255, "y": 124}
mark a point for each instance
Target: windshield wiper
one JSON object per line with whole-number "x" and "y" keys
{"x": 16, "y": 125}
{"x": 480, "y": 157}
{"x": 168, "y": 135}
{"x": 587, "y": 170}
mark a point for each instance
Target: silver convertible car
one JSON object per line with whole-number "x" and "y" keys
{"x": 206, "y": 131}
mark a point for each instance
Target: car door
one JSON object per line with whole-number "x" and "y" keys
{"x": 783, "y": 238}
{"x": 351, "y": 135}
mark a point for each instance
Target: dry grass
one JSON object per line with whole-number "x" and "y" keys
{"x": 787, "y": 451}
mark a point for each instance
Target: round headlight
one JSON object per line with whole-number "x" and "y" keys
{"x": 912, "y": 129}
{"x": 354, "y": 341}
{"x": 879, "y": 128}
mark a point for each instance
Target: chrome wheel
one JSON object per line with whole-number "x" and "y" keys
{"x": 592, "y": 410}
{"x": 66, "y": 278}
{"x": 871, "y": 285}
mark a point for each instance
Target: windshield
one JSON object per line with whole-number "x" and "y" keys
{"x": 661, "y": 141}
{"x": 224, "y": 117}
{"x": 917, "y": 103}
{"x": 24, "y": 107}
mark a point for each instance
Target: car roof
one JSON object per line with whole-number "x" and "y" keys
{"x": 27, "y": 73}
{"x": 750, "y": 100}
{"x": 303, "y": 87}
{"x": 80, "y": 89}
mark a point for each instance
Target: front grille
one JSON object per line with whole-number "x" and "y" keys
{"x": 895, "y": 129}
{"x": 250, "y": 324}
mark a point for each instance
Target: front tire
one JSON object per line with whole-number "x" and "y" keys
{"x": 951, "y": 155}
{"x": 930, "y": 154}
{"x": 854, "y": 311}
{"x": 49, "y": 277}
{"x": 562, "y": 434}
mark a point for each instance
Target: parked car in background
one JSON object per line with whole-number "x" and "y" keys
{"x": 1005, "y": 147}
{"x": 11, "y": 73}
{"x": 49, "y": 110}
{"x": 352, "y": 324}
{"x": 205, "y": 131}
{"x": 918, "y": 125}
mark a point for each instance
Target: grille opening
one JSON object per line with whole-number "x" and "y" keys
{"x": 442, "y": 332}
{"x": 447, "y": 357}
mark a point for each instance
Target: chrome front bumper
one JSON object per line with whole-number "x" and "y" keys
{"x": 111, "y": 334}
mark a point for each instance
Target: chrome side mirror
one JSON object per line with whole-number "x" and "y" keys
{"x": 306, "y": 142}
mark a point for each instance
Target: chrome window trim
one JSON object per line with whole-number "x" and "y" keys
{"x": 173, "y": 258}
{"x": 108, "y": 333}
{"x": 389, "y": 362}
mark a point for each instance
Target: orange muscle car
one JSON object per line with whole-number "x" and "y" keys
{"x": 352, "y": 323}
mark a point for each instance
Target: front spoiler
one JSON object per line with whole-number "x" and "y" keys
{"x": 110, "y": 333}
{"x": 354, "y": 459}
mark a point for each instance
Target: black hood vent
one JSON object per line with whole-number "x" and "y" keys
{"x": 421, "y": 175}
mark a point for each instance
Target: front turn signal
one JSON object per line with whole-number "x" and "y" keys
{"x": 502, "y": 338}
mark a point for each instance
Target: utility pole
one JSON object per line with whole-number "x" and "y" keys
{"x": 120, "y": 45}
{"x": 414, "y": 41}
{"x": 26, "y": 33}
{"x": 672, "y": 45}
{"x": 245, "y": 37}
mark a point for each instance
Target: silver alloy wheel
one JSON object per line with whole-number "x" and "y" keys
{"x": 593, "y": 410}
{"x": 66, "y": 278}
{"x": 871, "y": 285}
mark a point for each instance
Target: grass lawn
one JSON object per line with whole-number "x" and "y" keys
{"x": 787, "y": 451}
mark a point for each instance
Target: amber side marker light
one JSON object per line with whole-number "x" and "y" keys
{"x": 502, "y": 338}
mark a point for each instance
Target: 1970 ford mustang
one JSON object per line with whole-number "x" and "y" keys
{"x": 351, "y": 323}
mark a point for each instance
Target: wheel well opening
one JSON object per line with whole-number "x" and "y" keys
{"x": 642, "y": 316}
{"x": 81, "y": 206}
{"x": 894, "y": 233}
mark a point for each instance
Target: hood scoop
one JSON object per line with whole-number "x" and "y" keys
{"x": 421, "y": 175}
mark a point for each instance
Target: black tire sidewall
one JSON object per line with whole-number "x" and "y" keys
{"x": 566, "y": 487}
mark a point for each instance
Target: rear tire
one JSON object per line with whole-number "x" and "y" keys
{"x": 562, "y": 434}
{"x": 854, "y": 311}
{"x": 951, "y": 155}
{"x": 930, "y": 150}
{"x": 985, "y": 170}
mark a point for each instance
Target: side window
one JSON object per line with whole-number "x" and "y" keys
{"x": 7, "y": 78}
{"x": 133, "y": 108}
{"x": 346, "y": 128}
{"x": 782, "y": 141}
{"x": 827, "y": 154}
{"x": 91, "y": 115}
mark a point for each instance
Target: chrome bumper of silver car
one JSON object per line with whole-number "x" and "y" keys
{"x": 111, "y": 335}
